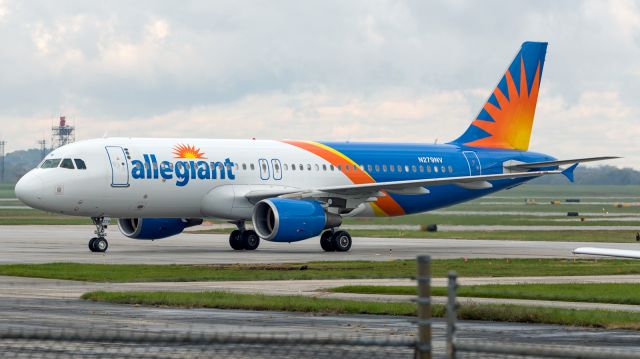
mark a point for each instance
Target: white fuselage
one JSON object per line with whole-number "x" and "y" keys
{"x": 109, "y": 187}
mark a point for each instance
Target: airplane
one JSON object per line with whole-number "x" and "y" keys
{"x": 608, "y": 252}
{"x": 292, "y": 190}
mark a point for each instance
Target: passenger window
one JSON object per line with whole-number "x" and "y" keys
{"x": 244, "y": 166}
{"x": 331, "y": 167}
{"x": 301, "y": 167}
{"x": 384, "y": 168}
{"x": 317, "y": 167}
{"x": 308, "y": 167}
{"x": 80, "y": 164}
{"x": 66, "y": 163}
{"x": 435, "y": 169}
{"x": 444, "y": 170}
{"x": 346, "y": 167}
{"x": 377, "y": 168}
{"x": 406, "y": 168}
{"x": 369, "y": 168}
{"x": 413, "y": 168}
{"x": 52, "y": 163}
{"x": 285, "y": 166}
{"x": 421, "y": 168}
{"x": 399, "y": 168}
{"x": 252, "y": 166}
{"x": 429, "y": 169}
{"x": 339, "y": 167}
{"x": 392, "y": 168}
{"x": 450, "y": 169}
{"x": 324, "y": 167}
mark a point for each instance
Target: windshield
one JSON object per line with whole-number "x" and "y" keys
{"x": 66, "y": 163}
{"x": 52, "y": 163}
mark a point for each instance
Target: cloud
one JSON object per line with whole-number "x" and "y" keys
{"x": 360, "y": 70}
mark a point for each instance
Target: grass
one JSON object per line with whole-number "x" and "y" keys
{"x": 320, "y": 270}
{"x": 6, "y": 190}
{"x": 615, "y": 293}
{"x": 489, "y": 312}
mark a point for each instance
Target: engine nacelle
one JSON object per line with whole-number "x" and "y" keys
{"x": 291, "y": 220}
{"x": 155, "y": 228}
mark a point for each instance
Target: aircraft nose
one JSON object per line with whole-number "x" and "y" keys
{"x": 29, "y": 189}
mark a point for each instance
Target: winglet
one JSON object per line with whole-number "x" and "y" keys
{"x": 569, "y": 172}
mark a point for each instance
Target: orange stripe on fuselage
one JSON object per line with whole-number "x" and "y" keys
{"x": 384, "y": 205}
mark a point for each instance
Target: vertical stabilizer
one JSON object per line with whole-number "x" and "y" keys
{"x": 506, "y": 119}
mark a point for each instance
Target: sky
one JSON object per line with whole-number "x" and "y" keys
{"x": 406, "y": 71}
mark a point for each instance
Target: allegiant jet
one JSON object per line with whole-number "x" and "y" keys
{"x": 294, "y": 190}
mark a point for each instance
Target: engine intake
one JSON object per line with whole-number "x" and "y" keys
{"x": 155, "y": 228}
{"x": 291, "y": 220}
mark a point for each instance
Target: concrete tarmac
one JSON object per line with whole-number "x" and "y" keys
{"x": 48, "y": 243}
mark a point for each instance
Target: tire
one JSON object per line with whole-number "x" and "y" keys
{"x": 250, "y": 240}
{"x": 341, "y": 241}
{"x": 91, "y": 244}
{"x": 326, "y": 243}
{"x": 234, "y": 240}
{"x": 100, "y": 245}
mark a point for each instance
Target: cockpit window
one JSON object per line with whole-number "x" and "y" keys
{"x": 66, "y": 163}
{"x": 80, "y": 164}
{"x": 52, "y": 163}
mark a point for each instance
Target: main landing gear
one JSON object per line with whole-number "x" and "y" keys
{"x": 243, "y": 238}
{"x": 335, "y": 241}
{"x": 99, "y": 243}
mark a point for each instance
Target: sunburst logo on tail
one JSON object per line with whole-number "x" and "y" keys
{"x": 187, "y": 151}
{"x": 513, "y": 117}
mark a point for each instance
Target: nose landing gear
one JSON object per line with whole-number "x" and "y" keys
{"x": 99, "y": 243}
{"x": 243, "y": 238}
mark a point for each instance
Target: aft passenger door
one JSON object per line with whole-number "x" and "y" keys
{"x": 119, "y": 166}
{"x": 475, "y": 169}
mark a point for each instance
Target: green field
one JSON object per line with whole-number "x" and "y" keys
{"x": 490, "y": 312}
{"x": 319, "y": 270}
{"x": 615, "y": 293}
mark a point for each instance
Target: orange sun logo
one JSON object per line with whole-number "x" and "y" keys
{"x": 187, "y": 151}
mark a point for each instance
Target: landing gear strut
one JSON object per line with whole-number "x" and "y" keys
{"x": 335, "y": 241}
{"x": 243, "y": 238}
{"x": 99, "y": 243}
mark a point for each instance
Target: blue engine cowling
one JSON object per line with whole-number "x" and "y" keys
{"x": 291, "y": 220}
{"x": 155, "y": 228}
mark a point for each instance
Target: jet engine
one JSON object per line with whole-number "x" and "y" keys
{"x": 155, "y": 228}
{"x": 291, "y": 220}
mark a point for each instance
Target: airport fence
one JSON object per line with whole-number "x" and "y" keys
{"x": 49, "y": 337}
{"x": 468, "y": 348}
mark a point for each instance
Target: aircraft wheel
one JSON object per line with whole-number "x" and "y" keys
{"x": 234, "y": 240}
{"x": 326, "y": 243}
{"x": 100, "y": 245}
{"x": 92, "y": 242}
{"x": 250, "y": 240}
{"x": 341, "y": 241}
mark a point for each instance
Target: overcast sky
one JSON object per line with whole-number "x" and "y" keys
{"x": 325, "y": 70}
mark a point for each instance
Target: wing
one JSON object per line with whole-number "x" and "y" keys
{"x": 534, "y": 165}
{"x": 608, "y": 252}
{"x": 367, "y": 190}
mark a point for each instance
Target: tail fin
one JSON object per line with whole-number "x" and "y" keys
{"x": 506, "y": 118}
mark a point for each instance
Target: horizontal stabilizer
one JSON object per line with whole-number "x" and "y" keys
{"x": 608, "y": 252}
{"x": 534, "y": 165}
